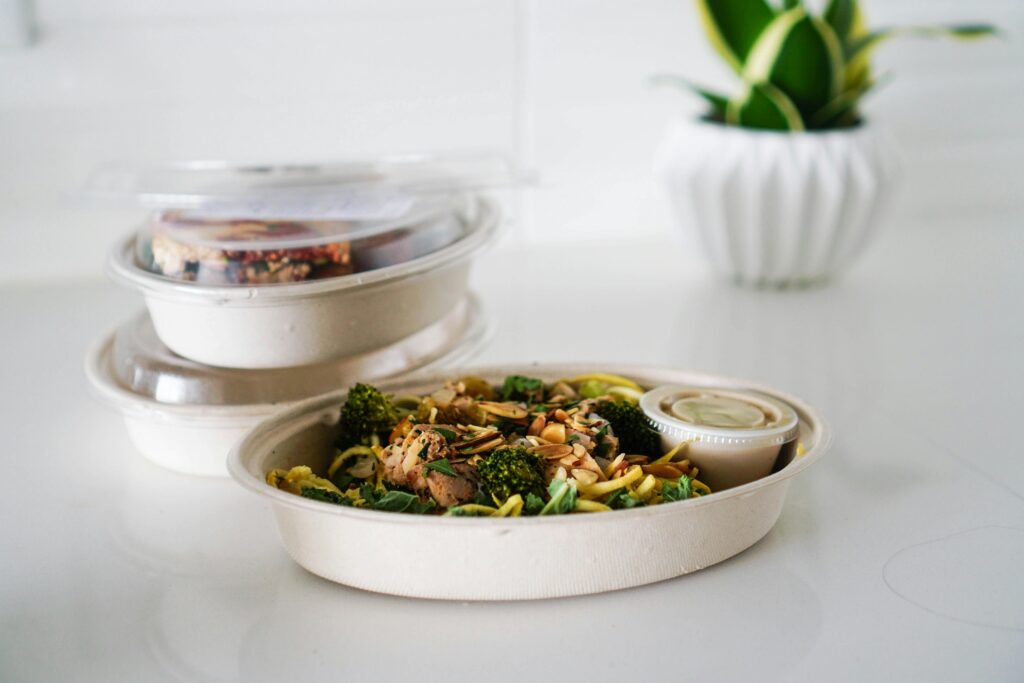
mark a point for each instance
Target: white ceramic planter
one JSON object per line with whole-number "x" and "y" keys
{"x": 777, "y": 209}
{"x": 510, "y": 558}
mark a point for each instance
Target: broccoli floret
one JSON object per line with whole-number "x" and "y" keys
{"x": 630, "y": 425}
{"x": 519, "y": 388}
{"x": 511, "y": 470}
{"x": 366, "y": 413}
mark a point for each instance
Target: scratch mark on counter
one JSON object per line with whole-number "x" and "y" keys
{"x": 932, "y": 610}
{"x": 972, "y": 466}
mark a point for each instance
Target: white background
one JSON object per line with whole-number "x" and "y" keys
{"x": 560, "y": 86}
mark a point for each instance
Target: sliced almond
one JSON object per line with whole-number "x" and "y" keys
{"x": 553, "y": 451}
{"x": 508, "y": 410}
{"x": 481, "y": 446}
{"x": 443, "y": 397}
{"x": 409, "y": 462}
{"x": 584, "y": 476}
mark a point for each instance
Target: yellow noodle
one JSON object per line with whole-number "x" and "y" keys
{"x": 645, "y": 487}
{"x": 590, "y": 506}
{"x": 603, "y": 487}
{"x": 608, "y": 471}
{"x": 511, "y": 508}
{"x": 671, "y": 454}
{"x": 614, "y": 380}
{"x": 349, "y": 453}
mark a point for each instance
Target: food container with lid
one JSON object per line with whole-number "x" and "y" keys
{"x": 734, "y": 436}
{"x": 279, "y": 266}
{"x": 185, "y": 416}
{"x": 510, "y": 558}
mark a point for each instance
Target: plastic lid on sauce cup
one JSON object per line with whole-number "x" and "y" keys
{"x": 727, "y": 417}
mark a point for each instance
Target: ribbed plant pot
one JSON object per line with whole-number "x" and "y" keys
{"x": 777, "y": 209}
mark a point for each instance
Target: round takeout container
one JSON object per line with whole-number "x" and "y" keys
{"x": 733, "y": 436}
{"x": 413, "y": 277}
{"x": 185, "y": 416}
{"x": 462, "y": 558}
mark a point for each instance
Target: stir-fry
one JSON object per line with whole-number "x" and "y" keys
{"x": 521, "y": 448}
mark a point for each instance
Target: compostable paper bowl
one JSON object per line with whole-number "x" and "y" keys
{"x": 195, "y": 438}
{"x": 520, "y": 558}
{"x": 302, "y": 323}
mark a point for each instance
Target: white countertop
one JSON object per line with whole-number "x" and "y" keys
{"x": 898, "y": 557}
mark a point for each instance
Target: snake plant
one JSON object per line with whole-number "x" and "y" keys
{"x": 799, "y": 70}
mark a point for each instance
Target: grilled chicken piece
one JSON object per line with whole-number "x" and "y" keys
{"x": 427, "y": 446}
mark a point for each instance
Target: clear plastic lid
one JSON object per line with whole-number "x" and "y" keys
{"x": 219, "y": 223}
{"x": 141, "y": 364}
{"x": 720, "y": 415}
{"x": 182, "y": 246}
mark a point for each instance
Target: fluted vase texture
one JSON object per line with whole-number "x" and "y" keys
{"x": 778, "y": 209}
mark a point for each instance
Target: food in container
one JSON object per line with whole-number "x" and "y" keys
{"x": 735, "y": 435}
{"x": 186, "y": 416}
{"x": 315, "y": 320}
{"x": 240, "y": 251}
{"x": 267, "y": 267}
{"x": 487, "y": 555}
{"x": 520, "y": 448}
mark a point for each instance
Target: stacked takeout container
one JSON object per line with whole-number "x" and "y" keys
{"x": 265, "y": 285}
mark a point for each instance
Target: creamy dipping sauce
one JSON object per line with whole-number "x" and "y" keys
{"x": 722, "y": 410}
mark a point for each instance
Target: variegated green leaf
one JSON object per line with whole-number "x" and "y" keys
{"x": 800, "y": 55}
{"x": 764, "y": 106}
{"x": 859, "y": 49}
{"x": 733, "y": 26}
{"x": 869, "y": 41}
{"x": 718, "y": 102}
{"x": 842, "y": 110}
{"x": 840, "y": 16}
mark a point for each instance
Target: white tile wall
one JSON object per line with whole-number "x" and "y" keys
{"x": 560, "y": 85}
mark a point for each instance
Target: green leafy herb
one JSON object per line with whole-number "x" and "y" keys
{"x": 521, "y": 388}
{"x": 442, "y": 466}
{"x": 602, "y": 445}
{"x": 680, "y": 490}
{"x": 368, "y": 493}
{"x": 448, "y": 434}
{"x": 563, "y": 498}
{"x": 458, "y": 511}
{"x": 342, "y": 479}
{"x": 325, "y": 496}
{"x": 481, "y": 498}
{"x": 621, "y": 500}
{"x": 532, "y": 504}
{"x": 401, "y": 501}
